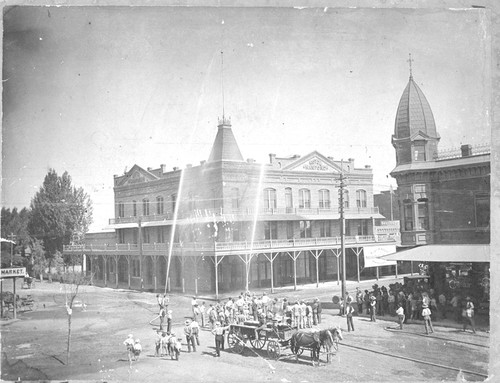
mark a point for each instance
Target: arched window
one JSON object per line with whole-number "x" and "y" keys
{"x": 346, "y": 199}
{"x": 174, "y": 201}
{"x": 361, "y": 198}
{"x": 288, "y": 199}
{"x": 324, "y": 199}
{"x": 145, "y": 206}
{"x": 270, "y": 199}
{"x": 304, "y": 199}
{"x": 159, "y": 205}
{"x": 121, "y": 210}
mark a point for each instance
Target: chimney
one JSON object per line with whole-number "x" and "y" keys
{"x": 203, "y": 162}
{"x": 149, "y": 169}
{"x": 272, "y": 157}
{"x": 466, "y": 150}
{"x": 368, "y": 166}
{"x": 162, "y": 167}
{"x": 175, "y": 168}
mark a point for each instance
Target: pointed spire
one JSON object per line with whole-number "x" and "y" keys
{"x": 222, "y": 80}
{"x": 410, "y": 60}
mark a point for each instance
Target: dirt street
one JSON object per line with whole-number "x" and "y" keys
{"x": 34, "y": 345}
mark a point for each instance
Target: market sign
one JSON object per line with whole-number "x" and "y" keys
{"x": 373, "y": 253}
{"x": 16, "y": 272}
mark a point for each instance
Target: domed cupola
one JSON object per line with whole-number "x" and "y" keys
{"x": 415, "y": 137}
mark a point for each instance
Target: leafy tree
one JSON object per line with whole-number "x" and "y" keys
{"x": 60, "y": 213}
{"x": 39, "y": 260}
{"x": 14, "y": 227}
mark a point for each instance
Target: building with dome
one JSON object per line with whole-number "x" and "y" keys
{"x": 443, "y": 198}
{"x": 231, "y": 224}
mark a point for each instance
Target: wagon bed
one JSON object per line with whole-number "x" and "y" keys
{"x": 277, "y": 336}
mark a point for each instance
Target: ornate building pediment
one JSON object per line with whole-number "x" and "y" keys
{"x": 314, "y": 162}
{"x": 137, "y": 175}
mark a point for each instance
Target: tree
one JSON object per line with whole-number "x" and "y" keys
{"x": 74, "y": 284}
{"x": 60, "y": 213}
{"x": 39, "y": 260}
{"x": 14, "y": 227}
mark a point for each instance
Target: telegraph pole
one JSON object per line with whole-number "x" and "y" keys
{"x": 342, "y": 229}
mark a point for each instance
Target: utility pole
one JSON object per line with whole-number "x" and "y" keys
{"x": 342, "y": 229}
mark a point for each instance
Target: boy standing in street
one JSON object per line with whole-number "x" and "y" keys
{"x": 426, "y": 314}
{"x": 401, "y": 316}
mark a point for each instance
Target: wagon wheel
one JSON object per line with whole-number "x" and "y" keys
{"x": 273, "y": 349}
{"x": 258, "y": 343}
{"x": 236, "y": 341}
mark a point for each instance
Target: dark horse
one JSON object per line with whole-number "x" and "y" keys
{"x": 311, "y": 340}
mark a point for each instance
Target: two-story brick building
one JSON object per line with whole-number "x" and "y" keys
{"x": 231, "y": 224}
{"x": 443, "y": 199}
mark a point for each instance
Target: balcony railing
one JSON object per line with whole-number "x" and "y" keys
{"x": 238, "y": 245}
{"x": 244, "y": 213}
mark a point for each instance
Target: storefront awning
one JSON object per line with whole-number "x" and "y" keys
{"x": 443, "y": 253}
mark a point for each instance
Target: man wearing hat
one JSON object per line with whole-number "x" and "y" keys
{"x": 188, "y": 331}
{"x": 218, "y": 331}
{"x": 469, "y": 315}
{"x": 426, "y": 314}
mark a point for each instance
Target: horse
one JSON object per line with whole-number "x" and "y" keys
{"x": 333, "y": 343}
{"x": 312, "y": 340}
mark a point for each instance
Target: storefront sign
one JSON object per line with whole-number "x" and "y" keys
{"x": 10, "y": 273}
{"x": 373, "y": 254}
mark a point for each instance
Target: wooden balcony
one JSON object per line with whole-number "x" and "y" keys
{"x": 227, "y": 248}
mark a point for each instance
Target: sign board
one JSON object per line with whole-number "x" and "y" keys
{"x": 373, "y": 253}
{"x": 15, "y": 272}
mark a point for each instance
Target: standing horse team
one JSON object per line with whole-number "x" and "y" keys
{"x": 313, "y": 341}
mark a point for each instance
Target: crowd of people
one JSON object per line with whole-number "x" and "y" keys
{"x": 407, "y": 303}
{"x": 399, "y": 300}
{"x": 252, "y": 307}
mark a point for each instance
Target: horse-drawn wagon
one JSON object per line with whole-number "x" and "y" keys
{"x": 274, "y": 334}
{"x": 280, "y": 337}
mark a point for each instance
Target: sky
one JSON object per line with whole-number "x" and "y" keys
{"x": 95, "y": 90}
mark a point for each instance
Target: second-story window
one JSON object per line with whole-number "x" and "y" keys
{"x": 288, "y": 199}
{"x": 121, "y": 210}
{"x": 346, "y": 199}
{"x": 361, "y": 198}
{"x": 408, "y": 216}
{"x": 325, "y": 229}
{"x": 270, "y": 230}
{"x": 423, "y": 216}
{"x": 121, "y": 235}
{"x": 191, "y": 201}
{"x": 159, "y": 205}
{"x": 134, "y": 208}
{"x": 160, "y": 234}
{"x": 304, "y": 199}
{"x": 289, "y": 229}
{"x": 145, "y": 206}
{"x": 174, "y": 201}
{"x": 270, "y": 199}
{"x": 324, "y": 199}
{"x": 305, "y": 229}
{"x": 235, "y": 198}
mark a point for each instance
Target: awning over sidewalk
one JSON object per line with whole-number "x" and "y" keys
{"x": 443, "y": 253}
